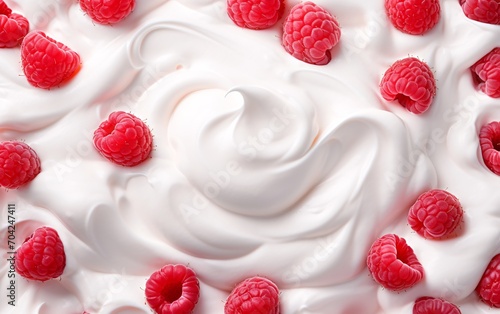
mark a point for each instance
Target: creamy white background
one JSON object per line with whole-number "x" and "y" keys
{"x": 263, "y": 164}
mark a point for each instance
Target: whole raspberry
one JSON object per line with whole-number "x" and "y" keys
{"x": 107, "y": 11}
{"x": 46, "y": 62}
{"x": 19, "y": 164}
{"x": 41, "y": 257}
{"x": 393, "y": 264}
{"x": 435, "y": 214}
{"x": 488, "y": 288}
{"x": 13, "y": 27}
{"x": 310, "y": 32}
{"x": 174, "y": 289}
{"x": 255, "y": 14}
{"x": 489, "y": 141}
{"x": 124, "y": 139}
{"x": 253, "y": 295}
{"x": 486, "y": 11}
{"x": 486, "y": 73}
{"x": 413, "y": 17}
{"x": 429, "y": 305}
{"x": 410, "y": 82}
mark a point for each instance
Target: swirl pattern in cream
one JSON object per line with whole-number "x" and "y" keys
{"x": 263, "y": 164}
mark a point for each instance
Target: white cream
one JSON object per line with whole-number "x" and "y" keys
{"x": 263, "y": 164}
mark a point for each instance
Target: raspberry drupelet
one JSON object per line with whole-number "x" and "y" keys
{"x": 310, "y": 32}
{"x": 173, "y": 289}
{"x": 124, "y": 139}
{"x": 393, "y": 264}
{"x": 46, "y": 62}
{"x": 411, "y": 83}
{"x": 253, "y": 295}
{"x": 41, "y": 257}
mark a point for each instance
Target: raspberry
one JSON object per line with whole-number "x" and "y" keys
{"x": 46, "y": 62}
{"x": 486, "y": 11}
{"x": 489, "y": 141}
{"x": 174, "y": 289}
{"x": 428, "y": 305}
{"x": 486, "y": 73}
{"x": 435, "y": 214}
{"x": 41, "y": 256}
{"x": 107, "y": 11}
{"x": 410, "y": 82}
{"x": 124, "y": 139}
{"x": 310, "y": 32}
{"x": 4, "y": 8}
{"x": 393, "y": 264}
{"x": 19, "y": 164}
{"x": 13, "y": 27}
{"x": 253, "y": 295}
{"x": 255, "y": 14}
{"x": 488, "y": 288}
{"x": 413, "y": 17}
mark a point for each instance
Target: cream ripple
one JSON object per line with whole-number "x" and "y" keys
{"x": 262, "y": 164}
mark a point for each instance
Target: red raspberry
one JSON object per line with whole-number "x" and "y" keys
{"x": 486, "y": 73}
{"x": 410, "y": 82}
{"x": 174, "y": 289}
{"x": 310, "y": 32}
{"x": 41, "y": 256}
{"x": 413, "y": 17}
{"x": 435, "y": 214}
{"x": 428, "y": 305}
{"x": 255, "y": 14}
{"x": 488, "y": 288}
{"x": 4, "y": 8}
{"x": 124, "y": 139}
{"x": 393, "y": 264}
{"x": 13, "y": 27}
{"x": 489, "y": 141}
{"x": 46, "y": 62}
{"x": 486, "y": 11}
{"x": 253, "y": 295}
{"x": 19, "y": 164}
{"x": 107, "y": 11}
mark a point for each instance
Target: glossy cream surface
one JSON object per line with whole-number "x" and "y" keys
{"x": 263, "y": 164}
